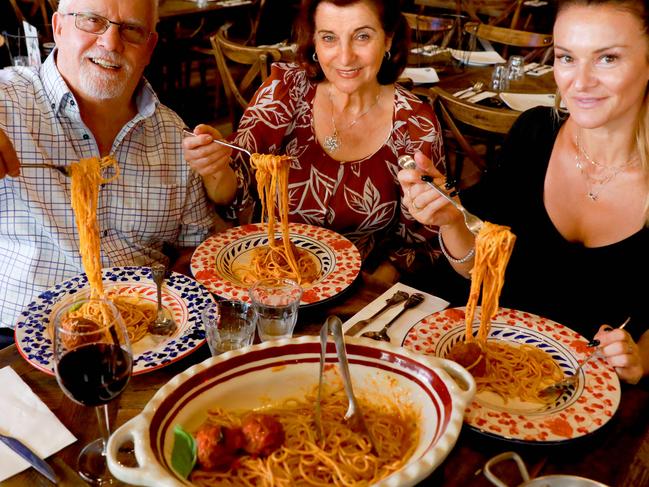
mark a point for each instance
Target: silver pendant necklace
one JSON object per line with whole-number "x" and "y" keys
{"x": 332, "y": 142}
{"x": 587, "y": 165}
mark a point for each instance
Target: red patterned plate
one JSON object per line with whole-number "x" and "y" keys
{"x": 580, "y": 410}
{"x": 214, "y": 260}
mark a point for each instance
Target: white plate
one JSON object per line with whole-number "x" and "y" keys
{"x": 477, "y": 58}
{"x": 579, "y": 411}
{"x": 183, "y": 297}
{"x": 525, "y": 101}
{"x": 214, "y": 261}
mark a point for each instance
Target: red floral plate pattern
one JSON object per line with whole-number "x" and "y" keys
{"x": 214, "y": 260}
{"x": 580, "y": 410}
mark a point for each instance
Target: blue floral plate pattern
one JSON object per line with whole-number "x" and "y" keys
{"x": 183, "y": 297}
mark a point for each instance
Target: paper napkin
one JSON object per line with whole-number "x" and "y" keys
{"x": 478, "y": 58}
{"x": 421, "y": 75}
{"x": 25, "y": 417}
{"x": 525, "y": 101}
{"x": 480, "y": 96}
{"x": 400, "y": 328}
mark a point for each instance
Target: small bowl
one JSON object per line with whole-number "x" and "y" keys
{"x": 272, "y": 371}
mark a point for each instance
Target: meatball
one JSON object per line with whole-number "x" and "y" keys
{"x": 212, "y": 448}
{"x": 264, "y": 434}
{"x": 471, "y": 356}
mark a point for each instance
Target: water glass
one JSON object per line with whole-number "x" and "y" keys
{"x": 229, "y": 325}
{"x": 276, "y": 303}
{"x": 515, "y": 67}
{"x": 500, "y": 78}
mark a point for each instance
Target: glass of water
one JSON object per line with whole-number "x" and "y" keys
{"x": 276, "y": 303}
{"x": 229, "y": 325}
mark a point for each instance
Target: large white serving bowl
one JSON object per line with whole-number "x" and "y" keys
{"x": 438, "y": 389}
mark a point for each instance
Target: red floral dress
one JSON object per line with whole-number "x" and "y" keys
{"x": 359, "y": 199}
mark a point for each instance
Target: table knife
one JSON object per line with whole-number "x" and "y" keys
{"x": 34, "y": 460}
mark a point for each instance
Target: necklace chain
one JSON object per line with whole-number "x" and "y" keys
{"x": 332, "y": 142}
{"x": 596, "y": 184}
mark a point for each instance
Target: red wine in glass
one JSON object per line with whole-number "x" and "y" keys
{"x": 93, "y": 358}
{"x": 94, "y": 374}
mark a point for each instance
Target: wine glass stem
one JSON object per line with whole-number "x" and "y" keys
{"x": 102, "y": 420}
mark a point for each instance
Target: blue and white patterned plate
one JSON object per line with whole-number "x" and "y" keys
{"x": 183, "y": 297}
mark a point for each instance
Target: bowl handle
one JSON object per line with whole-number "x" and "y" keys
{"x": 148, "y": 471}
{"x": 508, "y": 455}
{"x": 461, "y": 376}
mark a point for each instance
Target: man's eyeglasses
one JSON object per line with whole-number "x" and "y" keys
{"x": 96, "y": 24}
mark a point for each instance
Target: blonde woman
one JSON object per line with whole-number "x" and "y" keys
{"x": 574, "y": 187}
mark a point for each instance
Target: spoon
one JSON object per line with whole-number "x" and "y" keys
{"x": 396, "y": 298}
{"x": 382, "y": 335}
{"x": 164, "y": 323}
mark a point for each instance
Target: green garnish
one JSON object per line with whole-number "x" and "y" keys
{"x": 75, "y": 307}
{"x": 183, "y": 455}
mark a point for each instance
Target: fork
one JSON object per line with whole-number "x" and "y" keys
{"x": 65, "y": 170}
{"x": 472, "y": 222}
{"x": 396, "y": 298}
{"x": 469, "y": 92}
{"x": 354, "y": 415}
{"x": 219, "y": 141}
{"x": 572, "y": 379}
{"x": 382, "y": 335}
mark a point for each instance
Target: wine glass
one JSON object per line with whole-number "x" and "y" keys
{"x": 92, "y": 353}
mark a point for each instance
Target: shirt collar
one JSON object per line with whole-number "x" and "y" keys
{"x": 57, "y": 90}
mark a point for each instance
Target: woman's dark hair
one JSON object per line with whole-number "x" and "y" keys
{"x": 394, "y": 25}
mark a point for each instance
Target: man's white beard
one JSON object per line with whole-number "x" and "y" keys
{"x": 104, "y": 85}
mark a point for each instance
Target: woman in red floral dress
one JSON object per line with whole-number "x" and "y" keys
{"x": 345, "y": 121}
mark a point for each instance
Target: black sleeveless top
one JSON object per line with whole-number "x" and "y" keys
{"x": 577, "y": 286}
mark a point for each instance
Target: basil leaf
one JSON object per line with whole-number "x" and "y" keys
{"x": 75, "y": 307}
{"x": 183, "y": 455}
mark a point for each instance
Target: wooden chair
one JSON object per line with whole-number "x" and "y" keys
{"x": 430, "y": 30}
{"x": 470, "y": 131}
{"x": 242, "y": 70}
{"x": 534, "y": 43}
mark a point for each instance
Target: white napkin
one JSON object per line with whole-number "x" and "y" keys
{"x": 421, "y": 75}
{"x": 25, "y": 417}
{"x": 400, "y": 328}
{"x": 478, "y": 58}
{"x": 535, "y": 69}
{"x": 480, "y": 96}
{"x": 525, "y": 101}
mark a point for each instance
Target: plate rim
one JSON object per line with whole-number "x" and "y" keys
{"x": 82, "y": 278}
{"x": 576, "y": 356}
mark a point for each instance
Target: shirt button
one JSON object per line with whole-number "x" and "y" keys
{"x": 53, "y": 106}
{"x": 105, "y": 233}
{"x": 86, "y": 136}
{"x": 72, "y": 102}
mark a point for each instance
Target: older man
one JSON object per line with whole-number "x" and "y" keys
{"x": 89, "y": 99}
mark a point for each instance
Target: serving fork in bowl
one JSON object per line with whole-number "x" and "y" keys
{"x": 354, "y": 416}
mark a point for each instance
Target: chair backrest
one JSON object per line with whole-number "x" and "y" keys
{"x": 535, "y": 43}
{"x": 457, "y": 114}
{"x": 242, "y": 70}
{"x": 427, "y": 30}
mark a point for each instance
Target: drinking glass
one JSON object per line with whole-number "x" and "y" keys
{"x": 229, "y": 325}
{"x": 515, "y": 67}
{"x": 93, "y": 365}
{"x": 276, "y": 303}
{"x": 500, "y": 78}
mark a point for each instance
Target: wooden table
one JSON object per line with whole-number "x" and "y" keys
{"x": 617, "y": 455}
{"x": 176, "y": 8}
